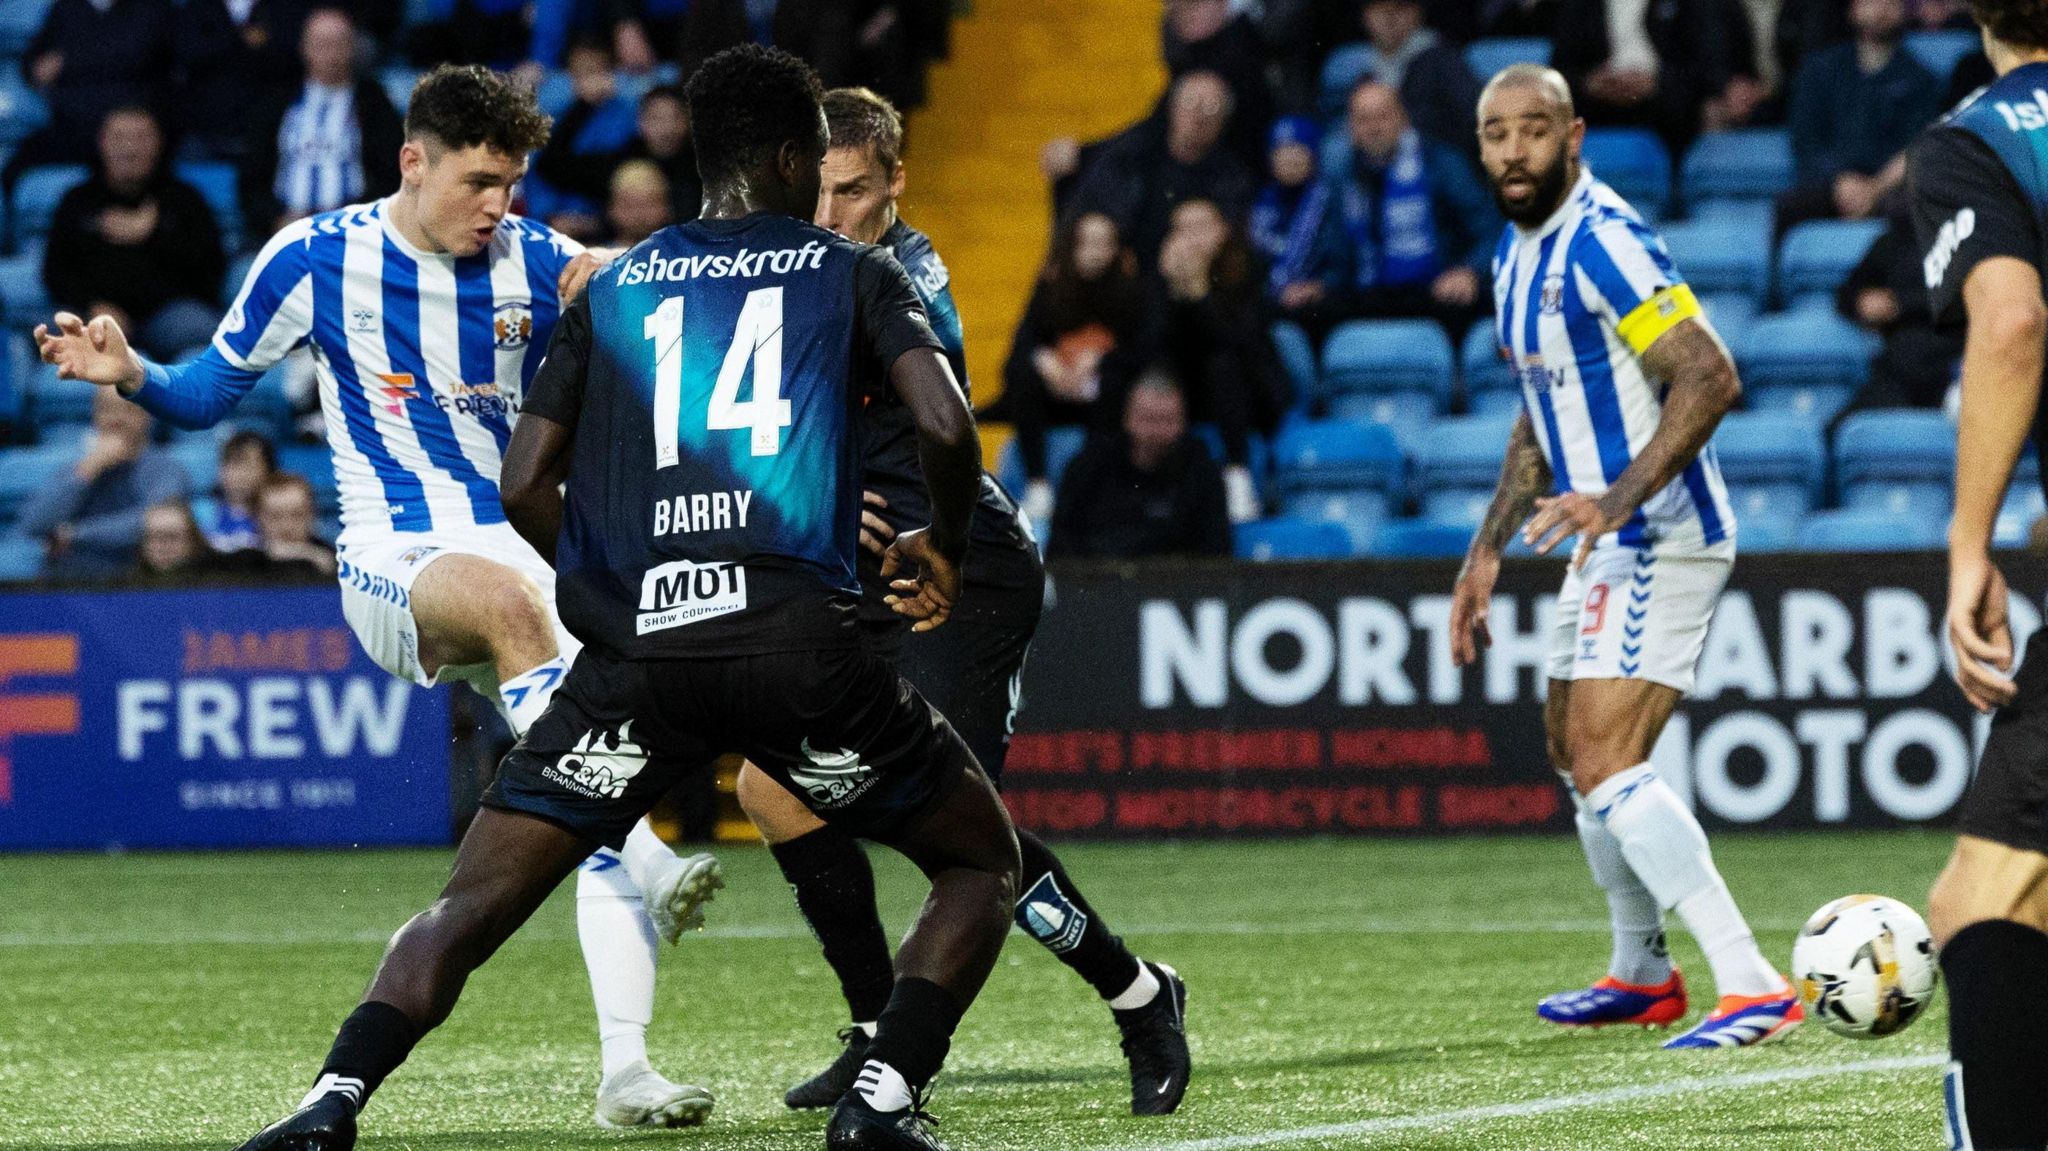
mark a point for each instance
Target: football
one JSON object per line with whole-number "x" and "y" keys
{"x": 1864, "y": 965}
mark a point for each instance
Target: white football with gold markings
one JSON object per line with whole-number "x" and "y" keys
{"x": 1864, "y": 966}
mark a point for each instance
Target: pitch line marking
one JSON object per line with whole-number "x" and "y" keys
{"x": 1534, "y": 1107}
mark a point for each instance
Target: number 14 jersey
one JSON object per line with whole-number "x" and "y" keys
{"x": 713, "y": 376}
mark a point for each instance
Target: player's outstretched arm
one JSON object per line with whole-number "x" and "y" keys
{"x": 950, "y": 451}
{"x": 96, "y": 352}
{"x": 530, "y": 483}
{"x": 1524, "y": 474}
{"x": 197, "y": 394}
{"x": 1703, "y": 387}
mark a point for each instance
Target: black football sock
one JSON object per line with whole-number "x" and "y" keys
{"x": 911, "y": 1039}
{"x": 835, "y": 891}
{"x": 1997, "y": 1035}
{"x": 373, "y": 1041}
{"x": 1051, "y": 911}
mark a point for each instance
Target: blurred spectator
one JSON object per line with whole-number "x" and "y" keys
{"x": 1287, "y": 223}
{"x": 1436, "y": 87}
{"x": 1216, "y": 340}
{"x": 138, "y": 244}
{"x": 90, "y": 515}
{"x": 1206, "y": 36}
{"x": 331, "y": 142}
{"x": 662, "y": 136}
{"x": 1522, "y": 18}
{"x": 1886, "y": 293}
{"x": 234, "y": 56}
{"x": 1855, "y": 107}
{"x": 1657, "y": 65}
{"x": 1414, "y": 228}
{"x": 646, "y": 31}
{"x": 1942, "y": 16}
{"x": 172, "y": 548}
{"x": 1804, "y": 27}
{"x": 1149, "y": 489}
{"x": 596, "y": 128}
{"x": 284, "y": 512}
{"x": 90, "y": 57}
{"x": 1076, "y": 343}
{"x": 247, "y": 461}
{"x": 639, "y": 203}
{"x": 492, "y": 32}
{"x": 1137, "y": 178}
{"x": 821, "y": 31}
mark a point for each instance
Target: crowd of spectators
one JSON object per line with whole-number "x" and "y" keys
{"x": 1338, "y": 136}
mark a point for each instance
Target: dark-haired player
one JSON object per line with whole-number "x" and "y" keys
{"x": 700, "y": 404}
{"x": 427, "y": 313}
{"x": 969, "y": 670}
{"x": 1979, "y": 186}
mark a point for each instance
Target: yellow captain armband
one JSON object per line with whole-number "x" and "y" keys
{"x": 1663, "y": 311}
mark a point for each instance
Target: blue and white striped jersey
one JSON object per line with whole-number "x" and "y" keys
{"x": 319, "y": 151}
{"x": 1577, "y": 301}
{"x": 422, "y": 358}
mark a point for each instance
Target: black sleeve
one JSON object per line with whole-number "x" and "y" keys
{"x": 1967, "y": 208}
{"x": 892, "y": 319}
{"x": 556, "y": 393}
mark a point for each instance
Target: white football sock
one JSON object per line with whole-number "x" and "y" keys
{"x": 1142, "y": 990}
{"x": 883, "y": 1087}
{"x": 645, "y": 856}
{"x": 525, "y": 696}
{"x": 619, "y": 950}
{"x": 1666, "y": 847}
{"x": 1639, "y": 956}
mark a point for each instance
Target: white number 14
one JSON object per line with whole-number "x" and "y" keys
{"x": 756, "y": 338}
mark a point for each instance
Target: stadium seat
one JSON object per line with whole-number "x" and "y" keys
{"x": 1360, "y": 512}
{"x": 1749, "y": 164}
{"x": 1480, "y": 364}
{"x": 36, "y": 195}
{"x": 1802, "y": 350}
{"x": 1496, "y": 404}
{"x": 1774, "y": 462}
{"x": 1061, "y": 446}
{"x": 1462, "y": 452}
{"x": 1487, "y": 57}
{"x": 398, "y": 83}
{"x": 1288, "y": 539}
{"x": 1338, "y": 455}
{"x": 1729, "y": 312}
{"x": 200, "y": 457}
{"x": 1818, "y": 255}
{"x": 2023, "y": 507}
{"x": 1722, "y": 256}
{"x": 1863, "y": 530}
{"x": 24, "y": 299}
{"x": 1409, "y": 414}
{"x": 19, "y": 21}
{"x": 21, "y": 558}
{"x": 1259, "y": 453}
{"x": 1897, "y": 462}
{"x": 24, "y": 471}
{"x": 1634, "y": 162}
{"x": 1297, "y": 356}
{"x": 1765, "y": 533}
{"x": 1420, "y": 539}
{"x": 1940, "y": 51}
{"x": 1388, "y": 356}
{"x": 1342, "y": 69}
{"x": 53, "y": 401}
{"x": 1758, "y": 216}
{"x": 216, "y": 181}
{"x": 23, "y": 111}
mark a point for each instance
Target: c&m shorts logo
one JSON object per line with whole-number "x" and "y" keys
{"x": 600, "y": 765}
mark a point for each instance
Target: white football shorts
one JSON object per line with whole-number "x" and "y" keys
{"x": 377, "y": 573}
{"x": 1638, "y": 613}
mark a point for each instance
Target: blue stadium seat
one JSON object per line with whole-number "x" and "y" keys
{"x": 1496, "y": 404}
{"x": 1940, "y": 51}
{"x": 1632, "y": 161}
{"x": 1758, "y": 216}
{"x": 53, "y": 401}
{"x": 1388, "y": 356}
{"x": 1420, "y": 539}
{"x": 238, "y": 270}
{"x": 1342, "y": 69}
{"x": 1749, "y": 164}
{"x": 2016, "y": 518}
{"x": 36, "y": 196}
{"x": 1465, "y": 506}
{"x": 216, "y": 181}
{"x": 1297, "y": 356}
{"x": 1805, "y": 349}
{"x": 1863, "y": 530}
{"x": 200, "y": 457}
{"x": 1897, "y": 462}
{"x": 22, "y": 295}
{"x": 1818, "y": 255}
{"x": 1259, "y": 453}
{"x": 1480, "y": 364}
{"x": 19, "y": 21}
{"x": 1721, "y": 255}
{"x": 1729, "y": 312}
{"x": 1764, "y": 533}
{"x": 1774, "y": 463}
{"x": 1359, "y": 511}
{"x": 1287, "y": 539}
{"x": 23, "y": 111}
{"x": 1409, "y": 414}
{"x": 21, "y": 558}
{"x": 1462, "y": 452}
{"x": 1487, "y": 57}
{"x": 24, "y": 471}
{"x": 1061, "y": 446}
{"x": 398, "y": 83}
{"x": 1338, "y": 455}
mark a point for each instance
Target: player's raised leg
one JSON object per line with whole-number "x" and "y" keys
{"x": 490, "y": 622}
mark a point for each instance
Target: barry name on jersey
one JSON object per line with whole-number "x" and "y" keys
{"x": 702, "y": 512}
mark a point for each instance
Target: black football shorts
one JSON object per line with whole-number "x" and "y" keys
{"x": 2008, "y": 801}
{"x": 839, "y": 728}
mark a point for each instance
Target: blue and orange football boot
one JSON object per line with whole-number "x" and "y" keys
{"x": 1611, "y": 1002}
{"x": 1744, "y": 1022}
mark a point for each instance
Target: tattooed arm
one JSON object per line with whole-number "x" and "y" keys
{"x": 1523, "y": 474}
